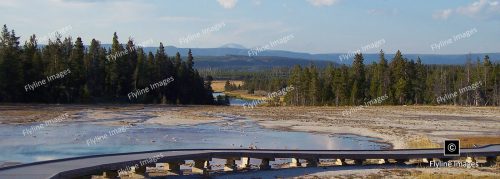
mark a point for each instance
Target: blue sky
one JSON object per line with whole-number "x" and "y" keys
{"x": 318, "y": 26}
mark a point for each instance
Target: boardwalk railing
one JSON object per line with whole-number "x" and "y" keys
{"x": 113, "y": 165}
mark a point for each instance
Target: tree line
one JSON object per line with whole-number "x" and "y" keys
{"x": 403, "y": 80}
{"x": 89, "y": 75}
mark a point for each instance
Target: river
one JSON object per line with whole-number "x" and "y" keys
{"x": 70, "y": 138}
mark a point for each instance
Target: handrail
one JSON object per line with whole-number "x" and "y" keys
{"x": 109, "y": 162}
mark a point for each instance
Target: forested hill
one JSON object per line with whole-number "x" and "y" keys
{"x": 65, "y": 71}
{"x": 390, "y": 81}
{"x": 252, "y": 63}
{"x": 454, "y": 59}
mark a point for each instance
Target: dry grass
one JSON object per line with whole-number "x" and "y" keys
{"x": 421, "y": 142}
{"x": 244, "y": 94}
{"x": 469, "y": 142}
{"x": 398, "y": 173}
{"x": 451, "y": 176}
{"x": 403, "y": 173}
{"x": 218, "y": 85}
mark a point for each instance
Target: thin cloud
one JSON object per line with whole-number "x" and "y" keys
{"x": 257, "y": 2}
{"x": 178, "y": 18}
{"x": 9, "y": 3}
{"x": 442, "y": 14}
{"x": 383, "y": 12}
{"x": 227, "y": 4}
{"x": 319, "y": 3}
{"x": 481, "y": 9}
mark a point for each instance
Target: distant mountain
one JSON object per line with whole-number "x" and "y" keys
{"x": 428, "y": 58}
{"x": 252, "y": 63}
{"x": 225, "y": 58}
{"x": 233, "y": 45}
{"x": 332, "y": 57}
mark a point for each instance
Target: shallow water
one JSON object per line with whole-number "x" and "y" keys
{"x": 235, "y": 101}
{"x": 69, "y": 139}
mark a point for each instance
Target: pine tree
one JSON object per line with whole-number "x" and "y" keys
{"x": 327, "y": 95}
{"x": 112, "y": 73}
{"x": 164, "y": 71}
{"x": 11, "y": 76}
{"x": 358, "y": 76}
{"x": 190, "y": 77}
{"x": 410, "y": 78}
{"x": 152, "y": 73}
{"x": 140, "y": 70}
{"x": 477, "y": 77}
{"x": 488, "y": 80}
{"x": 496, "y": 78}
{"x": 32, "y": 67}
{"x": 77, "y": 69}
{"x": 468, "y": 69}
{"x": 399, "y": 77}
{"x": 293, "y": 97}
{"x": 190, "y": 60}
{"x": 374, "y": 79}
{"x": 384, "y": 75}
{"x": 126, "y": 67}
{"x": 341, "y": 86}
{"x": 305, "y": 79}
{"x": 227, "y": 86}
{"x": 419, "y": 82}
{"x": 314, "y": 86}
{"x": 95, "y": 69}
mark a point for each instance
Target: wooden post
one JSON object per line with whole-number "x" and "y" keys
{"x": 110, "y": 174}
{"x": 295, "y": 163}
{"x": 312, "y": 162}
{"x": 230, "y": 165}
{"x": 341, "y": 161}
{"x": 245, "y": 162}
{"x": 491, "y": 161}
{"x": 264, "y": 165}
{"x": 172, "y": 167}
{"x": 401, "y": 161}
{"x": 358, "y": 162}
{"x": 139, "y": 171}
{"x": 201, "y": 167}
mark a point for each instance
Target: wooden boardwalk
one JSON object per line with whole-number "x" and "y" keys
{"x": 112, "y": 163}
